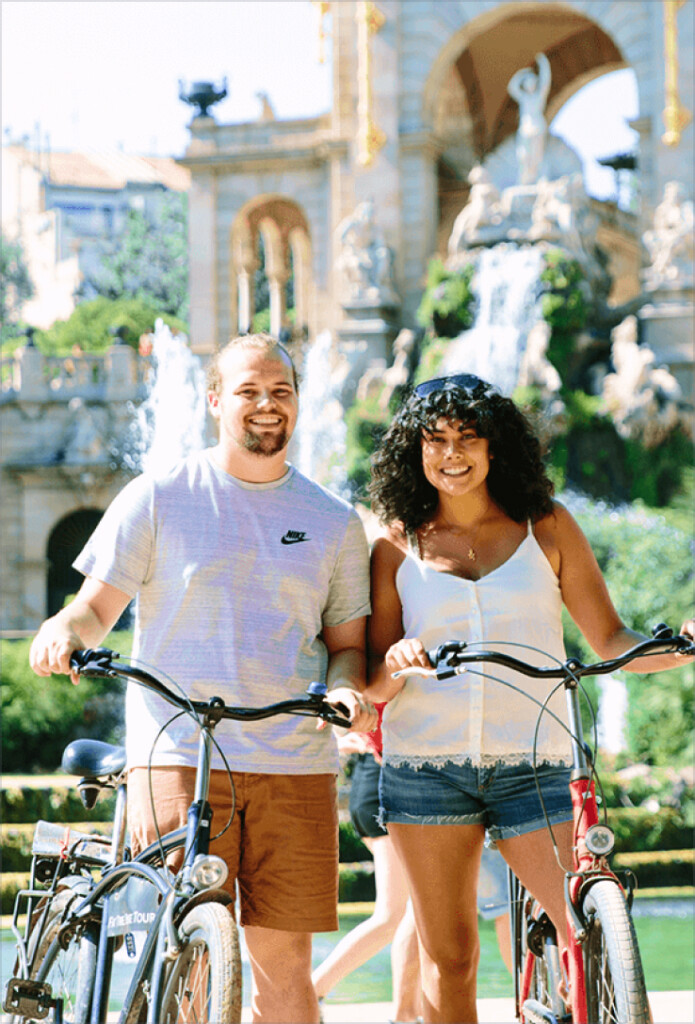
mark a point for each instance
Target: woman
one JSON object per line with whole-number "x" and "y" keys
{"x": 474, "y": 549}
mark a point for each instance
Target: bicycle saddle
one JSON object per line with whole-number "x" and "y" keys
{"x": 93, "y": 759}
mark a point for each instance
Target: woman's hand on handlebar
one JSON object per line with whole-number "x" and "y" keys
{"x": 407, "y": 653}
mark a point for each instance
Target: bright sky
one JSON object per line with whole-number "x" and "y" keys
{"x": 103, "y": 74}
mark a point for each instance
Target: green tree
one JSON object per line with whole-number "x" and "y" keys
{"x": 647, "y": 564}
{"x": 148, "y": 261}
{"x": 15, "y": 287}
{"x": 91, "y": 325}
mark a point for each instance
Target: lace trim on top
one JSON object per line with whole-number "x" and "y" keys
{"x": 484, "y": 761}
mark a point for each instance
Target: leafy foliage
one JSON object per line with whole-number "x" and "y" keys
{"x": 447, "y": 305}
{"x": 15, "y": 287}
{"x": 647, "y": 565}
{"x": 563, "y": 305}
{"x": 366, "y": 424}
{"x": 149, "y": 261}
{"x": 92, "y": 324}
{"x": 41, "y": 716}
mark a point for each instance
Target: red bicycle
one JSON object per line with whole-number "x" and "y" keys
{"x": 602, "y": 961}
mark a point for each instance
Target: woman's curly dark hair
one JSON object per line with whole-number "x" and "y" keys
{"x": 517, "y": 480}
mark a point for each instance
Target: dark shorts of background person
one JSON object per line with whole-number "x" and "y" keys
{"x": 286, "y": 862}
{"x": 364, "y": 796}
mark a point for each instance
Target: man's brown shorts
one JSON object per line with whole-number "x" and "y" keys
{"x": 281, "y": 847}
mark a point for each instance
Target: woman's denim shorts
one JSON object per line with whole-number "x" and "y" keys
{"x": 500, "y": 796}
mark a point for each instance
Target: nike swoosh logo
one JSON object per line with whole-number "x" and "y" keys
{"x": 293, "y": 540}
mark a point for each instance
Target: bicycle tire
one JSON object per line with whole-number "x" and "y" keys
{"x": 616, "y": 992}
{"x": 203, "y": 984}
{"x": 71, "y": 970}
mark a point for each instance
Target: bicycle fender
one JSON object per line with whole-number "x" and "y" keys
{"x": 207, "y": 896}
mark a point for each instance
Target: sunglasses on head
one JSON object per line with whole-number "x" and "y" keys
{"x": 466, "y": 381}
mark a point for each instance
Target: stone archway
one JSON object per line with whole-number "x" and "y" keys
{"x": 464, "y": 95}
{"x": 66, "y": 540}
{"x": 285, "y": 234}
{"x": 485, "y": 52}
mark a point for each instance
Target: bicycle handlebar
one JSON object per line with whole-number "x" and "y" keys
{"x": 451, "y": 658}
{"x": 98, "y": 663}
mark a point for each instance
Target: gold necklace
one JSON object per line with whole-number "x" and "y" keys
{"x": 457, "y": 530}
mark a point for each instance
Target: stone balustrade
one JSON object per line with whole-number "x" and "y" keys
{"x": 120, "y": 374}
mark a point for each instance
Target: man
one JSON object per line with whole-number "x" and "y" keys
{"x": 251, "y": 581}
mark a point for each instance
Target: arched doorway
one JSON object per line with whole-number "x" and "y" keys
{"x": 65, "y": 542}
{"x": 281, "y": 225}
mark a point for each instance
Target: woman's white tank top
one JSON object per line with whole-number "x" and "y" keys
{"x": 472, "y": 718}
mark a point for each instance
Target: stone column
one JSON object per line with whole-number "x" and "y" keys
{"x": 32, "y": 383}
{"x": 276, "y": 288}
{"x": 120, "y": 370}
{"x": 202, "y": 253}
{"x": 245, "y": 297}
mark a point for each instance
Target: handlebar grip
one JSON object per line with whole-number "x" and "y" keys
{"x": 96, "y": 660}
{"x": 337, "y": 714}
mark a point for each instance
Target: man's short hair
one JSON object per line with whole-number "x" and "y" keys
{"x": 261, "y": 342}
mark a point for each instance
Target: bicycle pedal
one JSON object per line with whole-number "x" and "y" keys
{"x": 536, "y": 1013}
{"x": 27, "y": 998}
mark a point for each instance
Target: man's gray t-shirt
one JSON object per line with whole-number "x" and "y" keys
{"x": 234, "y": 583}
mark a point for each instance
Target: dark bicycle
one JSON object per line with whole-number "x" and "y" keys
{"x": 87, "y": 897}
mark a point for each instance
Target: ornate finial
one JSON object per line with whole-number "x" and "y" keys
{"x": 322, "y": 7}
{"x": 675, "y": 115}
{"x": 202, "y": 95}
{"x": 369, "y": 136}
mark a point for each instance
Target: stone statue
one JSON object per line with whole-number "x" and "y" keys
{"x": 366, "y": 262}
{"x": 530, "y": 90}
{"x": 670, "y": 243}
{"x": 536, "y": 370}
{"x": 644, "y": 400}
{"x": 267, "y": 110}
{"x": 379, "y": 381}
{"x": 481, "y": 212}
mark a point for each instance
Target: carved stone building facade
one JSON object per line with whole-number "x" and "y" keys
{"x": 419, "y": 98}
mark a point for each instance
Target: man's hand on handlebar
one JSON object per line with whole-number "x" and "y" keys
{"x": 51, "y": 649}
{"x": 360, "y": 711}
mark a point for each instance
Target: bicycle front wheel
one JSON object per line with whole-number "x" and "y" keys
{"x": 68, "y": 965}
{"x": 615, "y": 989}
{"x": 203, "y": 984}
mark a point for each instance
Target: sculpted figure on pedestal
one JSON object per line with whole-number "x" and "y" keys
{"x": 365, "y": 261}
{"x": 480, "y": 212}
{"x": 671, "y": 241}
{"x": 530, "y": 90}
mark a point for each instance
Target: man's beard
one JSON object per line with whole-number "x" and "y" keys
{"x": 265, "y": 444}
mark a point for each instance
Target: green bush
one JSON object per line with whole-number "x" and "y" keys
{"x": 40, "y": 716}
{"x": 446, "y": 308}
{"x": 356, "y": 883}
{"x": 91, "y": 326}
{"x": 638, "y": 830}
{"x": 350, "y": 845}
{"x": 366, "y": 424}
{"x": 660, "y": 869}
{"x": 647, "y": 565}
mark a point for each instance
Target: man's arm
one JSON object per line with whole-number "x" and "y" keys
{"x": 347, "y": 669}
{"x": 83, "y": 623}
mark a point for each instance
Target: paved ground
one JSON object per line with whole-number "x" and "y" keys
{"x": 667, "y": 1007}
